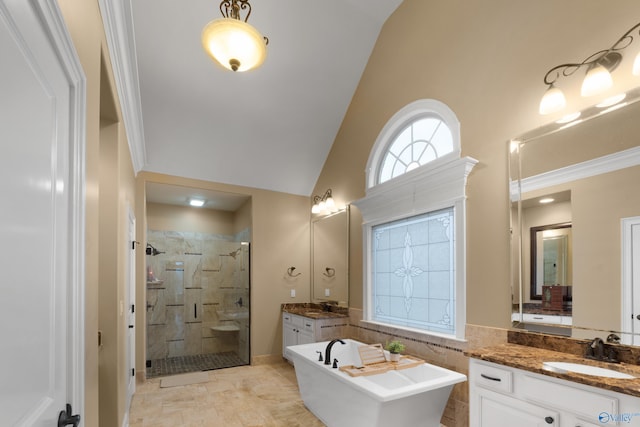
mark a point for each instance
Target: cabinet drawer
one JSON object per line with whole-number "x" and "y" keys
{"x": 292, "y": 319}
{"x": 584, "y": 403}
{"x": 308, "y": 324}
{"x": 493, "y": 377}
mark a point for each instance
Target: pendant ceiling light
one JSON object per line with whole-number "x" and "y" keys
{"x": 233, "y": 42}
{"x": 597, "y": 80}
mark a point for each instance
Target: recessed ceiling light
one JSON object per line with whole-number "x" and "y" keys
{"x": 198, "y": 203}
{"x": 546, "y": 200}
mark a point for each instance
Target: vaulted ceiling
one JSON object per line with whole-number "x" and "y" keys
{"x": 270, "y": 128}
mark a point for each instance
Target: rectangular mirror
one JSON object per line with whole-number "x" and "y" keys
{"x": 330, "y": 258}
{"x": 571, "y": 272}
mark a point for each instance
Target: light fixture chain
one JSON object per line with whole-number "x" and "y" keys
{"x": 231, "y": 9}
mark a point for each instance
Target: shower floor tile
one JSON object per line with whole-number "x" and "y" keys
{"x": 199, "y": 362}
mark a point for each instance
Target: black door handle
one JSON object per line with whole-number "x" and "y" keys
{"x": 65, "y": 418}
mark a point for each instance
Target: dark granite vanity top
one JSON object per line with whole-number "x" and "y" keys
{"x": 316, "y": 311}
{"x": 531, "y": 358}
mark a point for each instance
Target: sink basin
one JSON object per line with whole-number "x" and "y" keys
{"x": 239, "y": 314}
{"x": 579, "y": 368}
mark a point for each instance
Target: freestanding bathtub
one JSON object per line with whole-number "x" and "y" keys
{"x": 409, "y": 397}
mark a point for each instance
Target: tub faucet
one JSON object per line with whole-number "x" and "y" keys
{"x": 327, "y": 352}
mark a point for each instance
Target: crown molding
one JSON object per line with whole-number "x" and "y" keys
{"x": 609, "y": 163}
{"x": 117, "y": 20}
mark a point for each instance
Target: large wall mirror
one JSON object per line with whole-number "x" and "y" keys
{"x": 330, "y": 258}
{"x": 573, "y": 265}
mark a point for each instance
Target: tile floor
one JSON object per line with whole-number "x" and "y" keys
{"x": 246, "y": 396}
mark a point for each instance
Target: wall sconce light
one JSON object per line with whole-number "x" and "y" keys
{"x": 599, "y": 67}
{"x": 324, "y": 203}
{"x": 233, "y": 42}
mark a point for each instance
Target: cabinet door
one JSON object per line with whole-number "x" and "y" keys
{"x": 497, "y": 410}
{"x": 289, "y": 337}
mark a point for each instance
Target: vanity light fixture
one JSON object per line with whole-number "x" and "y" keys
{"x": 598, "y": 73}
{"x": 198, "y": 203}
{"x": 324, "y": 204}
{"x": 231, "y": 41}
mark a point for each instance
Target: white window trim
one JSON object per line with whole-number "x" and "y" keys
{"x": 422, "y": 190}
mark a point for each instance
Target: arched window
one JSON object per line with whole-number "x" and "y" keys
{"x": 414, "y": 223}
{"x": 420, "y": 133}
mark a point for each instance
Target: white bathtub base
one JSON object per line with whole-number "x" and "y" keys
{"x": 412, "y": 397}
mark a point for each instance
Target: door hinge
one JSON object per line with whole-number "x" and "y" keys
{"x": 133, "y": 244}
{"x": 133, "y": 372}
{"x": 133, "y": 308}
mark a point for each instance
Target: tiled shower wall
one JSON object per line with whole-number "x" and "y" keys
{"x": 197, "y": 276}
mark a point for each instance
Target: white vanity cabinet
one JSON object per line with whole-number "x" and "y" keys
{"x": 298, "y": 329}
{"x": 501, "y": 396}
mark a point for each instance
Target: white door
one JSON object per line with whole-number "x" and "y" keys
{"x": 41, "y": 216}
{"x": 631, "y": 280}
{"x": 131, "y": 316}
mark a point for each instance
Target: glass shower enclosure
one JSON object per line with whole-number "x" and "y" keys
{"x": 198, "y": 294}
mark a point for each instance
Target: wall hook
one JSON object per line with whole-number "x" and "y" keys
{"x": 290, "y": 272}
{"x": 329, "y": 272}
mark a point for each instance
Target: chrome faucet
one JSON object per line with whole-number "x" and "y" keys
{"x": 327, "y": 352}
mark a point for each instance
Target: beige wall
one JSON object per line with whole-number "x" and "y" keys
{"x": 486, "y": 61}
{"x": 279, "y": 239}
{"x": 105, "y": 227}
{"x": 183, "y": 218}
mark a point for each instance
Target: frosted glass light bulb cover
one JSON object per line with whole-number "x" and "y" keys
{"x": 330, "y": 204}
{"x": 234, "y": 43}
{"x": 636, "y": 66}
{"x": 597, "y": 80}
{"x": 552, "y": 101}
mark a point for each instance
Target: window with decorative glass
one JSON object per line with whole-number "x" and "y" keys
{"x": 414, "y": 217}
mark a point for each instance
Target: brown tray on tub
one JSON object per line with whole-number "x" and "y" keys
{"x": 374, "y": 362}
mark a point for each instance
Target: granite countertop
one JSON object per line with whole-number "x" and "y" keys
{"x": 531, "y": 358}
{"x": 315, "y": 311}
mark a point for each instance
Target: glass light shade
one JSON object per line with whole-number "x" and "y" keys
{"x": 636, "y": 66}
{"x": 597, "y": 80}
{"x": 330, "y": 205}
{"x": 234, "y": 44}
{"x": 552, "y": 101}
{"x": 315, "y": 209}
